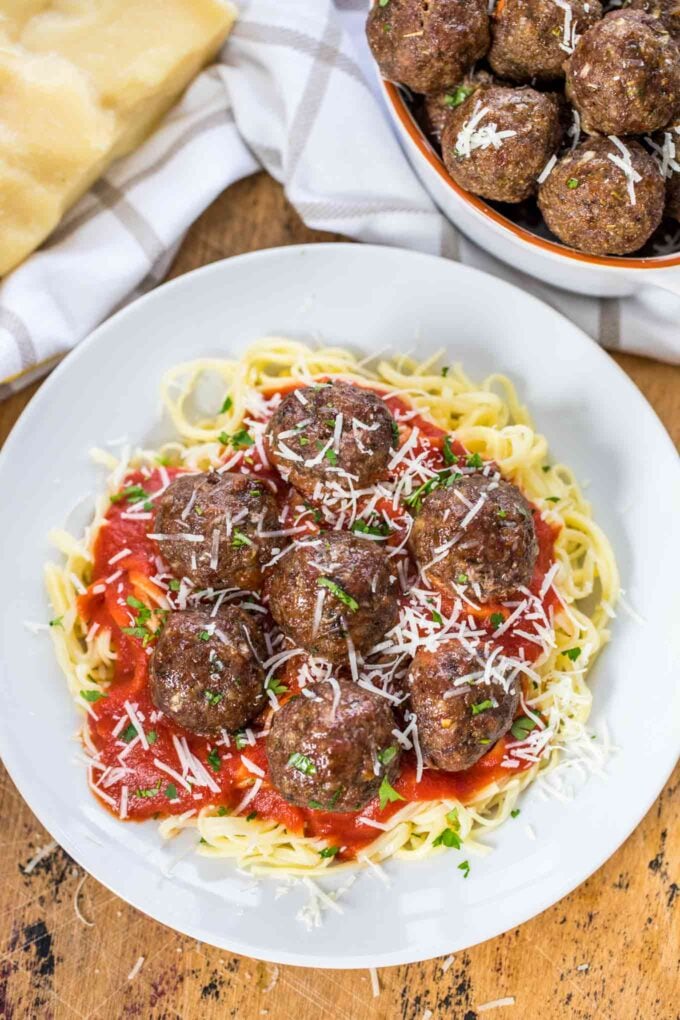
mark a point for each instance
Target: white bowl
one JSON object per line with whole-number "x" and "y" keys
{"x": 604, "y": 276}
{"x": 372, "y": 299}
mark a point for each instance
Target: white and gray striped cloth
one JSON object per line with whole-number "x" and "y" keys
{"x": 294, "y": 91}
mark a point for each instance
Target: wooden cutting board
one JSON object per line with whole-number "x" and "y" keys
{"x": 609, "y": 951}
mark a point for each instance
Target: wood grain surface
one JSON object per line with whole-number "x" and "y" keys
{"x": 608, "y": 951}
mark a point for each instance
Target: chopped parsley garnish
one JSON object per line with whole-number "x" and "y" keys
{"x": 395, "y": 434}
{"x": 241, "y": 740}
{"x": 370, "y": 529}
{"x": 222, "y": 811}
{"x": 416, "y": 497}
{"x": 383, "y": 3}
{"x": 315, "y": 805}
{"x": 572, "y": 653}
{"x": 301, "y": 763}
{"x": 251, "y": 816}
{"x": 92, "y": 696}
{"x": 452, "y": 818}
{"x": 552, "y": 499}
{"x": 238, "y": 539}
{"x": 464, "y": 866}
{"x": 447, "y": 838}
{"x": 316, "y": 514}
{"x": 331, "y": 456}
{"x": 329, "y": 851}
{"x": 213, "y": 697}
{"x": 171, "y": 791}
{"x": 545, "y": 468}
{"x": 214, "y": 760}
{"x": 449, "y": 456}
{"x": 138, "y": 632}
{"x": 496, "y": 620}
{"x": 227, "y": 405}
{"x": 474, "y": 460}
{"x": 458, "y": 97}
{"x": 485, "y": 741}
{"x": 336, "y": 797}
{"x": 133, "y": 494}
{"x": 223, "y": 438}
{"x": 445, "y": 371}
{"x": 502, "y": 514}
{"x": 58, "y": 621}
{"x": 387, "y": 755}
{"x": 175, "y": 585}
{"x": 205, "y": 635}
{"x": 129, "y": 733}
{"x": 275, "y": 686}
{"x": 514, "y": 812}
{"x": 572, "y": 183}
{"x": 387, "y": 794}
{"x": 481, "y": 706}
{"x": 303, "y": 441}
{"x": 150, "y": 791}
{"x": 462, "y": 579}
{"x": 242, "y": 439}
{"x": 340, "y": 593}
{"x": 437, "y": 618}
{"x": 135, "y": 603}
{"x": 151, "y": 737}
{"x": 522, "y": 727}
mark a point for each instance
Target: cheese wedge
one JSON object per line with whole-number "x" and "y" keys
{"x": 83, "y": 82}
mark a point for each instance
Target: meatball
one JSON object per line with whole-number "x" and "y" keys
{"x": 592, "y": 204}
{"x": 333, "y": 589}
{"x": 476, "y": 532}
{"x": 498, "y": 141}
{"x": 457, "y": 723}
{"x": 331, "y": 751}
{"x": 532, "y": 38}
{"x": 330, "y": 430}
{"x": 206, "y": 672}
{"x": 436, "y": 109}
{"x": 428, "y": 44}
{"x": 666, "y": 146}
{"x": 624, "y": 75}
{"x": 668, "y": 11}
{"x": 229, "y": 512}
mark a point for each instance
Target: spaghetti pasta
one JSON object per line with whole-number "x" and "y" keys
{"x": 488, "y": 419}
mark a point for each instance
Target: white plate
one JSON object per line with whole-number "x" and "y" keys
{"x": 595, "y": 420}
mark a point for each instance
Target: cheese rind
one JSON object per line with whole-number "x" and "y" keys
{"x": 82, "y": 82}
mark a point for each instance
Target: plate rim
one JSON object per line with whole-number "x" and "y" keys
{"x": 49, "y": 817}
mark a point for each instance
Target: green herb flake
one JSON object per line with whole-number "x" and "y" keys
{"x": 241, "y": 740}
{"x": 204, "y": 635}
{"x": 224, "y": 438}
{"x": 447, "y": 838}
{"x": 171, "y": 791}
{"x": 128, "y": 734}
{"x": 340, "y": 593}
{"x": 251, "y": 816}
{"x": 502, "y": 514}
{"x": 464, "y": 866}
{"x": 545, "y": 468}
{"x": 462, "y": 579}
{"x": 474, "y": 460}
{"x": 150, "y": 791}
{"x": 522, "y": 727}
{"x": 275, "y": 686}
{"x": 437, "y": 618}
{"x": 514, "y": 812}
{"x": 242, "y": 439}
{"x": 572, "y": 653}
{"x": 452, "y": 818}
{"x": 496, "y": 619}
{"x": 445, "y": 371}
{"x": 133, "y": 494}
{"x": 481, "y": 706}
{"x": 387, "y": 755}
{"x": 58, "y": 621}
{"x": 331, "y": 456}
{"x": 449, "y": 456}
{"x": 301, "y": 763}
{"x": 222, "y": 811}
{"x": 239, "y": 540}
{"x": 175, "y": 585}
{"x": 92, "y": 696}
{"x": 315, "y": 805}
{"x": 485, "y": 741}
{"x": 214, "y": 760}
{"x": 370, "y": 529}
{"x": 388, "y": 794}
{"x": 227, "y": 405}
{"x": 395, "y": 434}
{"x": 213, "y": 697}
{"x": 329, "y": 851}
{"x": 151, "y": 737}
{"x": 572, "y": 183}
{"x": 457, "y": 98}
{"x": 552, "y": 499}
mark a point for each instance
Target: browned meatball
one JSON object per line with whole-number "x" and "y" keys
{"x": 533, "y": 38}
{"x": 331, "y": 430}
{"x": 498, "y": 141}
{"x": 331, "y": 588}
{"x": 428, "y": 44}
{"x": 228, "y": 512}
{"x": 457, "y": 725}
{"x": 666, "y": 151}
{"x": 206, "y": 672}
{"x": 624, "y": 75}
{"x": 667, "y": 10}
{"x": 438, "y": 108}
{"x": 476, "y": 532}
{"x": 588, "y": 201}
{"x": 331, "y": 751}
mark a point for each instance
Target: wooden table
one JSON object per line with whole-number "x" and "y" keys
{"x": 610, "y": 950}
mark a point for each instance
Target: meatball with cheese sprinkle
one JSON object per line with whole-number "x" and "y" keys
{"x": 498, "y": 141}
{"x": 460, "y": 712}
{"x": 206, "y": 671}
{"x": 334, "y": 595}
{"x": 428, "y": 44}
{"x": 478, "y": 536}
{"x": 332, "y": 432}
{"x": 215, "y": 530}
{"x": 624, "y": 75}
{"x": 533, "y": 38}
{"x": 668, "y": 12}
{"x": 330, "y": 749}
{"x": 605, "y": 198}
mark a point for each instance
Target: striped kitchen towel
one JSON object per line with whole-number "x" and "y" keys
{"x": 293, "y": 92}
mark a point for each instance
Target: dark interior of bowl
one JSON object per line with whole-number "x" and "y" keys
{"x": 526, "y": 215}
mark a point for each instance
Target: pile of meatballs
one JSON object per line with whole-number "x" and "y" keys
{"x": 556, "y": 100}
{"x": 334, "y": 594}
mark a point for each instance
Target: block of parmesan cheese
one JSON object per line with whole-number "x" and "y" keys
{"x": 83, "y": 82}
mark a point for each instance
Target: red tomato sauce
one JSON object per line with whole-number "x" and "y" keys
{"x": 152, "y": 790}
